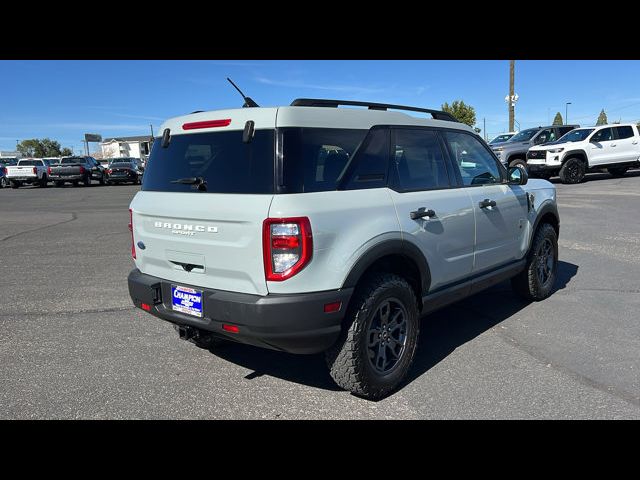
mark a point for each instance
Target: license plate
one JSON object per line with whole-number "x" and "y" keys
{"x": 186, "y": 300}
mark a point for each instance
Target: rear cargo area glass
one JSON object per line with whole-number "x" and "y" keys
{"x": 221, "y": 159}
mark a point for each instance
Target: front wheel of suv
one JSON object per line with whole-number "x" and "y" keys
{"x": 518, "y": 161}
{"x": 536, "y": 281}
{"x": 572, "y": 171}
{"x": 376, "y": 347}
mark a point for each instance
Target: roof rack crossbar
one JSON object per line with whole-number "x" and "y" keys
{"x": 319, "y": 102}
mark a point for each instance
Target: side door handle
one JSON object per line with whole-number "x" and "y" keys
{"x": 421, "y": 213}
{"x": 613, "y": 144}
{"x": 487, "y": 203}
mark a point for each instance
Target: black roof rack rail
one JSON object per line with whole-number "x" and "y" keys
{"x": 319, "y": 102}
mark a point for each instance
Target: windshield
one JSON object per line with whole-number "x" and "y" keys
{"x": 524, "y": 135}
{"x": 501, "y": 138}
{"x": 576, "y": 135}
{"x": 215, "y": 162}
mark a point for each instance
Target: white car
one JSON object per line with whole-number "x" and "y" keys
{"x": 614, "y": 147}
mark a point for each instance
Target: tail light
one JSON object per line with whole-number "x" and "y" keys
{"x": 109, "y": 171}
{"x": 133, "y": 245}
{"x": 48, "y": 170}
{"x": 287, "y": 246}
{"x": 35, "y": 171}
{"x": 81, "y": 170}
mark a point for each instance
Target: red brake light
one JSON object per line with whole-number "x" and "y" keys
{"x": 35, "y": 171}
{"x": 146, "y": 307}
{"x": 48, "y": 170}
{"x": 332, "y": 307}
{"x": 287, "y": 246}
{"x": 81, "y": 169}
{"x": 206, "y": 124}
{"x": 133, "y": 245}
{"x": 109, "y": 171}
{"x": 230, "y": 328}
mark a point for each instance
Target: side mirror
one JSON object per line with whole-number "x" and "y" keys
{"x": 518, "y": 175}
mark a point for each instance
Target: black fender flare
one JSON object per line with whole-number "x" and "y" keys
{"x": 390, "y": 247}
{"x": 572, "y": 153}
{"x": 547, "y": 207}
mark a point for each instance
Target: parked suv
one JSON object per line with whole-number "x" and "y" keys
{"x": 614, "y": 147}
{"x": 514, "y": 151}
{"x": 311, "y": 228}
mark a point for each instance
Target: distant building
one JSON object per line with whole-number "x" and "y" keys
{"x": 137, "y": 147}
{"x": 9, "y": 154}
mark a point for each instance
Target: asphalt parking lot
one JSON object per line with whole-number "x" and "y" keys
{"x": 72, "y": 346}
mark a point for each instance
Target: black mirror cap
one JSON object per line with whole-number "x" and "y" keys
{"x": 521, "y": 176}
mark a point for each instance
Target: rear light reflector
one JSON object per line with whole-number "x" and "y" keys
{"x": 230, "y": 328}
{"x": 81, "y": 170}
{"x": 133, "y": 245}
{"x": 287, "y": 246}
{"x": 332, "y": 307}
{"x": 146, "y": 307}
{"x": 206, "y": 124}
{"x": 35, "y": 171}
{"x": 48, "y": 170}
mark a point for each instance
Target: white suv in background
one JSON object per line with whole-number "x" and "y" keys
{"x": 614, "y": 147}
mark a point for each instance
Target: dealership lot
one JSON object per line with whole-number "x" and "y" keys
{"x": 72, "y": 345}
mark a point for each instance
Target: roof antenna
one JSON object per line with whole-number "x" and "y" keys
{"x": 248, "y": 102}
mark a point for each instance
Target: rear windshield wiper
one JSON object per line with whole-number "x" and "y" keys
{"x": 199, "y": 182}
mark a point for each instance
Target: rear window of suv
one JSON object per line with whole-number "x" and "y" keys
{"x": 220, "y": 159}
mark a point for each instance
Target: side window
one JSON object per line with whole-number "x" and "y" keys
{"x": 603, "y": 135}
{"x": 546, "y": 135}
{"x": 475, "y": 163}
{"x": 624, "y": 132}
{"x": 371, "y": 163}
{"x": 563, "y": 130}
{"x": 417, "y": 161}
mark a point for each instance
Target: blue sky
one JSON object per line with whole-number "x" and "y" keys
{"x": 63, "y": 100}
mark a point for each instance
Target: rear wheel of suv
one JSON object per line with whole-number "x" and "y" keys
{"x": 572, "y": 171}
{"x": 376, "y": 347}
{"x": 536, "y": 281}
{"x": 618, "y": 171}
{"x": 102, "y": 179}
{"x": 3, "y": 182}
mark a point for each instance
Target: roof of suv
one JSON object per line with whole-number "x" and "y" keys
{"x": 300, "y": 114}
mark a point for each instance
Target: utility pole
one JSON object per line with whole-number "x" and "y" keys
{"x": 484, "y": 128}
{"x": 511, "y": 93}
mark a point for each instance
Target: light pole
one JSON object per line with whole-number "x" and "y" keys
{"x": 566, "y": 113}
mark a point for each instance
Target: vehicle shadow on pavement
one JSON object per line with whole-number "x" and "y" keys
{"x": 445, "y": 330}
{"x": 441, "y": 333}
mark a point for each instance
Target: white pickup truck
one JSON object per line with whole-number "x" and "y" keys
{"x": 31, "y": 171}
{"x": 615, "y": 148}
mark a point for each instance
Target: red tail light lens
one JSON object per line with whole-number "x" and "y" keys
{"x": 48, "y": 170}
{"x": 207, "y": 124}
{"x": 81, "y": 170}
{"x": 133, "y": 245}
{"x": 109, "y": 171}
{"x": 230, "y": 328}
{"x": 287, "y": 246}
{"x": 35, "y": 171}
{"x": 146, "y": 307}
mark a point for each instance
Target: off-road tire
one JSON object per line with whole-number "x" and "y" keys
{"x": 572, "y": 171}
{"x": 348, "y": 359}
{"x": 618, "y": 171}
{"x": 518, "y": 161}
{"x": 3, "y": 182}
{"x": 527, "y": 284}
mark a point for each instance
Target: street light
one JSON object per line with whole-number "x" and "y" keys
{"x": 566, "y": 113}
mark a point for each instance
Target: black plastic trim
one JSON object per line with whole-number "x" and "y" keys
{"x": 390, "y": 247}
{"x": 547, "y": 207}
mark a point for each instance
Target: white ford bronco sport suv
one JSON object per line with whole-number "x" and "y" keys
{"x": 614, "y": 147}
{"x": 311, "y": 228}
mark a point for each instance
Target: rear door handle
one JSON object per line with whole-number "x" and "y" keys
{"x": 421, "y": 213}
{"x": 613, "y": 144}
{"x": 487, "y": 203}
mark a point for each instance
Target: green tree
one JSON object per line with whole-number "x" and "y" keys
{"x": 602, "y": 118}
{"x": 35, "y": 147}
{"x": 463, "y": 112}
{"x": 66, "y": 152}
{"x": 557, "y": 120}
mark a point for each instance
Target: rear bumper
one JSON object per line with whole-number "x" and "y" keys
{"x": 23, "y": 179}
{"x": 291, "y": 323}
{"x": 66, "y": 178}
